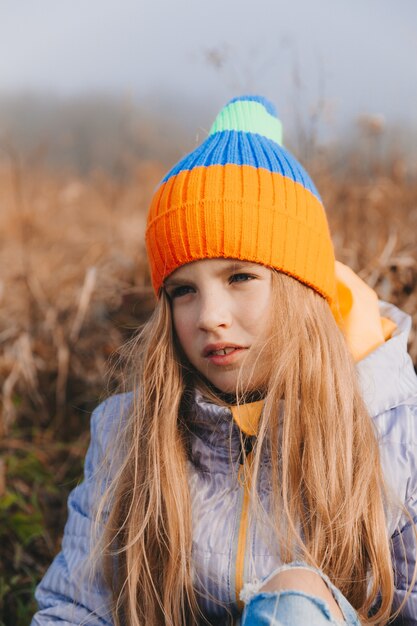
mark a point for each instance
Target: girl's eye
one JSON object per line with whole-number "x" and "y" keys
{"x": 240, "y": 278}
{"x": 182, "y": 290}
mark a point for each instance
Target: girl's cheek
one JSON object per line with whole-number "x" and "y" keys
{"x": 177, "y": 321}
{"x": 182, "y": 317}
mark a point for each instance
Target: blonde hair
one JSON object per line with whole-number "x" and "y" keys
{"x": 328, "y": 492}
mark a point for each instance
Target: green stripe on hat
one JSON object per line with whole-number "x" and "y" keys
{"x": 249, "y": 117}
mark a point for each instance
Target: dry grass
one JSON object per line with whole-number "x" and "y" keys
{"x": 74, "y": 283}
{"x": 71, "y": 252}
{"x": 374, "y": 226}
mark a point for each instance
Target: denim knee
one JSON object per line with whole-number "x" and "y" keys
{"x": 292, "y": 607}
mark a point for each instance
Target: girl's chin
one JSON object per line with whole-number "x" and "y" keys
{"x": 229, "y": 394}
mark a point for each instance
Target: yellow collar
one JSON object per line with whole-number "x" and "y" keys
{"x": 247, "y": 416}
{"x": 359, "y": 319}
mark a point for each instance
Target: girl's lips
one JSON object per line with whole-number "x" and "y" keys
{"x": 225, "y": 359}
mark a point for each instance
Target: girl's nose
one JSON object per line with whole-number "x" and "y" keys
{"x": 214, "y": 313}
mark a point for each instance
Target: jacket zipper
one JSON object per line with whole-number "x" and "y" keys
{"x": 244, "y": 477}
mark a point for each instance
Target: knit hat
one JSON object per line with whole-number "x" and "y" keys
{"x": 242, "y": 195}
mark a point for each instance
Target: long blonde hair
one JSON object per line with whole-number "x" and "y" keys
{"x": 327, "y": 486}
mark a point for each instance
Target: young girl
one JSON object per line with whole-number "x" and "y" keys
{"x": 263, "y": 468}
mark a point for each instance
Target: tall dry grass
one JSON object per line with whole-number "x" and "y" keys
{"x": 73, "y": 285}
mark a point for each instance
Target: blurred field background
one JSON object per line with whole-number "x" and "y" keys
{"x": 74, "y": 285}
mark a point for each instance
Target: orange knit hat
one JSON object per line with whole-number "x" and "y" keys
{"x": 242, "y": 195}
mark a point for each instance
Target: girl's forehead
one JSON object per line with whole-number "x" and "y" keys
{"x": 214, "y": 266}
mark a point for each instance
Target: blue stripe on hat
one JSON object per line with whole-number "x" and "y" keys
{"x": 241, "y": 148}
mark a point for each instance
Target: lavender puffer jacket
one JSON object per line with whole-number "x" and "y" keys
{"x": 229, "y": 549}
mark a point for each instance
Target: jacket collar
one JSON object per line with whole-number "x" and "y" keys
{"x": 387, "y": 374}
{"x": 217, "y": 439}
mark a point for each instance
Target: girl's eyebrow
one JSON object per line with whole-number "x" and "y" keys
{"x": 174, "y": 282}
{"x": 240, "y": 264}
{"x": 232, "y": 266}
{"x": 171, "y": 282}
{"x": 235, "y": 266}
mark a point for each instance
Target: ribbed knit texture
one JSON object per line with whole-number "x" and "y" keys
{"x": 242, "y": 195}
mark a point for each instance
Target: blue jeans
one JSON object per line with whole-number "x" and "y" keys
{"x": 295, "y": 608}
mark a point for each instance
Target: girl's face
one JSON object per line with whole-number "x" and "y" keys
{"x": 221, "y": 312}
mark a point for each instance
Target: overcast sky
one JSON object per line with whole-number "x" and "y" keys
{"x": 359, "y": 55}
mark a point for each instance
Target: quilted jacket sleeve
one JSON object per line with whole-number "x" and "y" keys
{"x": 67, "y": 596}
{"x": 404, "y": 551}
{"x": 404, "y": 542}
